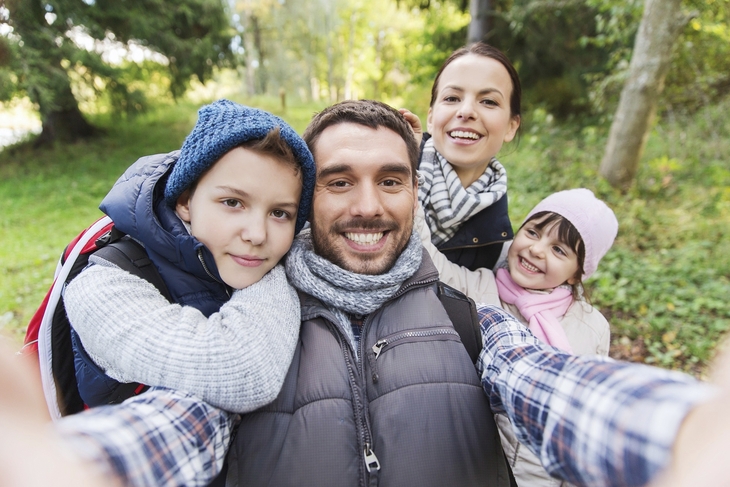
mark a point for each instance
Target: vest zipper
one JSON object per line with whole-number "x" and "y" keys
{"x": 372, "y": 464}
{"x": 370, "y": 460}
{"x": 210, "y": 274}
{"x": 358, "y": 411}
{"x": 384, "y": 342}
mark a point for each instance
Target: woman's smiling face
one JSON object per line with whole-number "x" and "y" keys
{"x": 470, "y": 117}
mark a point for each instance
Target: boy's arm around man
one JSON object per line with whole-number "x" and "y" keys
{"x": 236, "y": 359}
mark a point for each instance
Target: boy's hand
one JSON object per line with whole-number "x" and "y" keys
{"x": 414, "y": 122}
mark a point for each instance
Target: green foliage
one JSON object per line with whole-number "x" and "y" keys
{"x": 572, "y": 56}
{"x": 543, "y": 41}
{"x": 701, "y": 66}
{"x": 445, "y": 31}
{"x": 50, "y": 44}
{"x": 701, "y": 61}
{"x": 335, "y": 49}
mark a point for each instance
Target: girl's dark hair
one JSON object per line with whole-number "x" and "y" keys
{"x": 483, "y": 49}
{"x": 567, "y": 234}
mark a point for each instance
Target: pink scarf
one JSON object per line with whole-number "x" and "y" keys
{"x": 540, "y": 310}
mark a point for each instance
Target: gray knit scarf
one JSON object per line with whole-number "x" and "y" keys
{"x": 446, "y": 203}
{"x": 343, "y": 291}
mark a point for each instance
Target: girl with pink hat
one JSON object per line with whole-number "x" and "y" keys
{"x": 559, "y": 244}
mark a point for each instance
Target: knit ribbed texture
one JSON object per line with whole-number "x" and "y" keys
{"x": 236, "y": 359}
{"x": 224, "y": 125}
{"x": 593, "y": 219}
{"x": 343, "y": 291}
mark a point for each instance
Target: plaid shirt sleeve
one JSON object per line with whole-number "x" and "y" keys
{"x": 591, "y": 420}
{"x": 159, "y": 438}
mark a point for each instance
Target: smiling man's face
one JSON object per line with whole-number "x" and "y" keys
{"x": 364, "y": 198}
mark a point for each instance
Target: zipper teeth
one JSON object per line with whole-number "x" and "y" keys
{"x": 405, "y": 288}
{"x": 364, "y": 419}
{"x": 407, "y": 334}
{"x": 359, "y": 411}
{"x": 207, "y": 271}
{"x": 205, "y": 266}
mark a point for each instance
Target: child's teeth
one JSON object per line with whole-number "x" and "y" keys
{"x": 529, "y": 266}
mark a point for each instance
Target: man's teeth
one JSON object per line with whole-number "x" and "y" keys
{"x": 464, "y": 135}
{"x": 365, "y": 238}
{"x": 529, "y": 266}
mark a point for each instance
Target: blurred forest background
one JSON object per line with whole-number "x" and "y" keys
{"x": 88, "y": 86}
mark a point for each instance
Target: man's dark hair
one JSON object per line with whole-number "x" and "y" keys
{"x": 369, "y": 113}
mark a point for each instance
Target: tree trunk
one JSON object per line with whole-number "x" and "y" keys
{"x": 248, "y": 47}
{"x": 350, "y": 73}
{"x": 262, "y": 71}
{"x": 481, "y": 21}
{"x": 63, "y": 120}
{"x": 51, "y": 89}
{"x": 661, "y": 24}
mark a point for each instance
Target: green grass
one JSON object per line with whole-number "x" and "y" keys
{"x": 49, "y": 195}
{"x": 664, "y": 286}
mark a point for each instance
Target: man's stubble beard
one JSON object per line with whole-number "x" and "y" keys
{"x": 366, "y": 264}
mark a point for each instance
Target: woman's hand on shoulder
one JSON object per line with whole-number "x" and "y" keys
{"x": 414, "y": 122}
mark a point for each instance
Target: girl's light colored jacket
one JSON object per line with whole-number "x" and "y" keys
{"x": 586, "y": 328}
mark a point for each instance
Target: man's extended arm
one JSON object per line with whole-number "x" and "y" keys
{"x": 591, "y": 420}
{"x": 159, "y": 438}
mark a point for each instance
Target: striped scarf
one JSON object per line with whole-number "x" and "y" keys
{"x": 446, "y": 203}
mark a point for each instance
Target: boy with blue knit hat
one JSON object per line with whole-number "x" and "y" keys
{"x": 215, "y": 218}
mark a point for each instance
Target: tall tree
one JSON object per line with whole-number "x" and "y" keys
{"x": 192, "y": 35}
{"x": 481, "y": 20}
{"x": 661, "y": 24}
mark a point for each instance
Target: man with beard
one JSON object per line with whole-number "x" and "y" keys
{"x": 381, "y": 390}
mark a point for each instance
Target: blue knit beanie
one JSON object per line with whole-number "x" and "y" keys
{"x": 224, "y": 125}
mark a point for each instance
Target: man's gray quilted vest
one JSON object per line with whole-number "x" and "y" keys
{"x": 412, "y": 412}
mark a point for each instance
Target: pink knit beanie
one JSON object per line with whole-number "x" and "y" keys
{"x": 593, "y": 219}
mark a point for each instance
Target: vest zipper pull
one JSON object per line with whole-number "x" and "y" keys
{"x": 378, "y": 347}
{"x": 371, "y": 461}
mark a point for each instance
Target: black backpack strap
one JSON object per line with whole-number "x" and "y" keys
{"x": 463, "y": 315}
{"x": 128, "y": 254}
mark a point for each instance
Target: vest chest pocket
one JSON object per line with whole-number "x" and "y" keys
{"x": 388, "y": 343}
{"x": 410, "y": 336}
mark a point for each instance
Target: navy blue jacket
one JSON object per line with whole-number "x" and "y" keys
{"x": 479, "y": 241}
{"x": 137, "y": 207}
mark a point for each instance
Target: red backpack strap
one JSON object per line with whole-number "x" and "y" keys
{"x": 38, "y": 336}
{"x": 30, "y": 343}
